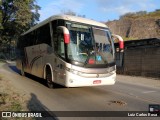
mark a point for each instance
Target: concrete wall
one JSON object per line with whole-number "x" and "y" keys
{"x": 143, "y": 60}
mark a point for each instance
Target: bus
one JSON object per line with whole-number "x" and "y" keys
{"x": 68, "y": 50}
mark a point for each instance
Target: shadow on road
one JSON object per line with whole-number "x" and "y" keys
{"x": 34, "y": 105}
{"x": 32, "y": 77}
{"x": 14, "y": 68}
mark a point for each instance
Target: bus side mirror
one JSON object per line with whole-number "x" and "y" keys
{"x": 66, "y": 38}
{"x": 120, "y": 40}
{"x": 65, "y": 31}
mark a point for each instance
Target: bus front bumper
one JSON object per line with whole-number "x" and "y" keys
{"x": 74, "y": 80}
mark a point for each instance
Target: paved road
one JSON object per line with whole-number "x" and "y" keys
{"x": 128, "y": 94}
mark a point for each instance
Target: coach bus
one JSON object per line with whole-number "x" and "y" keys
{"x": 68, "y": 50}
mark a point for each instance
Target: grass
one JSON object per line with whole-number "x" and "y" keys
{"x": 9, "y": 101}
{"x": 2, "y": 99}
{"x": 1, "y": 61}
{"x": 15, "y": 106}
{"x": 126, "y": 39}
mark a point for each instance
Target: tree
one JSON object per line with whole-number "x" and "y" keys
{"x": 72, "y": 13}
{"x": 128, "y": 15}
{"x": 17, "y": 16}
{"x": 1, "y": 16}
{"x": 139, "y": 13}
{"x": 68, "y": 12}
{"x": 35, "y": 15}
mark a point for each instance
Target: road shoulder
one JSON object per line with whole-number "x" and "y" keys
{"x": 138, "y": 80}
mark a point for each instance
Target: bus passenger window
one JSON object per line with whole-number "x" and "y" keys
{"x": 44, "y": 35}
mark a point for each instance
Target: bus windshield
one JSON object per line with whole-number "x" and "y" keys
{"x": 89, "y": 46}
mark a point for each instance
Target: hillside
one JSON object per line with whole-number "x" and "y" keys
{"x": 137, "y": 25}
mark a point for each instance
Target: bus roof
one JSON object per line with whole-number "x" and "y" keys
{"x": 69, "y": 18}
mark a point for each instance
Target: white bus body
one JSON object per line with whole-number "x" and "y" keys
{"x": 68, "y": 50}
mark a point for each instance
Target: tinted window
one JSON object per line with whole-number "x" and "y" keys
{"x": 44, "y": 35}
{"x": 55, "y": 24}
{"x": 31, "y": 38}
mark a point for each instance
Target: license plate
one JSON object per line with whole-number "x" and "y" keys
{"x": 97, "y": 82}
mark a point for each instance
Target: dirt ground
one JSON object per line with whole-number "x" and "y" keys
{"x": 14, "y": 99}
{"x": 11, "y": 99}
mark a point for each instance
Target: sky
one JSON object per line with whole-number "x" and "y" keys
{"x": 99, "y": 10}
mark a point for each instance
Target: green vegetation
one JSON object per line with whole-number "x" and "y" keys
{"x": 15, "y": 106}
{"x": 70, "y": 12}
{"x": 8, "y": 101}
{"x": 2, "y": 99}
{"x": 1, "y": 27}
{"x": 141, "y": 15}
{"x": 126, "y": 39}
{"x": 16, "y": 16}
{"x": 129, "y": 38}
{"x": 1, "y": 60}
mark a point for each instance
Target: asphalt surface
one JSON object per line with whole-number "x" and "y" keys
{"x": 128, "y": 94}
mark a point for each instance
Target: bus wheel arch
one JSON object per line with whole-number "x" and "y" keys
{"x": 48, "y": 75}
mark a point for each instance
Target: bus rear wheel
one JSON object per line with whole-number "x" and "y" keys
{"x": 49, "y": 78}
{"x": 22, "y": 70}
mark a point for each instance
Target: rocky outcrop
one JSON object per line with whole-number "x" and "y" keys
{"x": 136, "y": 28}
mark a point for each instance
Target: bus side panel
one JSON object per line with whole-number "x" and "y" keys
{"x": 33, "y": 58}
{"x": 58, "y": 67}
{"x": 60, "y": 70}
{"x": 41, "y": 56}
{"x": 47, "y": 58}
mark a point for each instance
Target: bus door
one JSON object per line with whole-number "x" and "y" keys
{"x": 60, "y": 58}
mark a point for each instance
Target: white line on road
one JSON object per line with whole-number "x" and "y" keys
{"x": 145, "y": 92}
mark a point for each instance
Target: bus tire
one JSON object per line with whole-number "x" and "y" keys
{"x": 49, "y": 78}
{"x": 22, "y": 70}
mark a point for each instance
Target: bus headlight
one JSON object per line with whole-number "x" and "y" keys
{"x": 73, "y": 71}
{"x": 68, "y": 69}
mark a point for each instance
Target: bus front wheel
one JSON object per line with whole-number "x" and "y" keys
{"x": 49, "y": 78}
